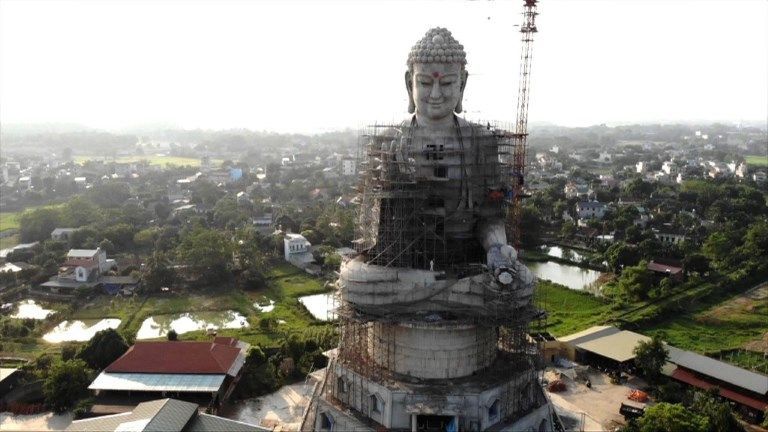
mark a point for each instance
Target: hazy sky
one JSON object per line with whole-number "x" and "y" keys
{"x": 313, "y": 66}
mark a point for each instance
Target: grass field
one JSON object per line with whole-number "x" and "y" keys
{"x": 727, "y": 325}
{"x": 9, "y": 241}
{"x": 9, "y": 220}
{"x": 569, "y": 310}
{"x": 757, "y": 160}
{"x": 152, "y": 159}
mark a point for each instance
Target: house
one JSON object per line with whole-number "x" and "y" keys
{"x": 297, "y": 250}
{"x": 162, "y": 415}
{"x": 670, "y": 238}
{"x": 62, "y": 234}
{"x": 666, "y": 270}
{"x": 590, "y": 210}
{"x": 641, "y": 167}
{"x": 205, "y": 372}
{"x": 577, "y": 190}
{"x": 124, "y": 285}
{"x": 348, "y": 167}
{"x": 83, "y": 267}
{"x": 263, "y": 223}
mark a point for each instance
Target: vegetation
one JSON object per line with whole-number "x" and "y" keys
{"x": 66, "y": 383}
{"x": 104, "y": 347}
{"x": 569, "y": 310}
{"x": 650, "y": 358}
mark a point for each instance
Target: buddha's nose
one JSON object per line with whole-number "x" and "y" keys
{"x": 435, "y": 93}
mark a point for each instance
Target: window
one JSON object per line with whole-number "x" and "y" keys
{"x": 434, "y": 151}
{"x": 377, "y": 405}
{"x": 341, "y": 384}
{"x": 326, "y": 422}
{"x": 493, "y": 410}
{"x": 441, "y": 172}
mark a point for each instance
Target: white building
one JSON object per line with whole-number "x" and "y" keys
{"x": 641, "y": 167}
{"x": 590, "y": 210}
{"x": 670, "y": 238}
{"x": 669, "y": 168}
{"x": 348, "y": 167}
{"x": 297, "y": 249}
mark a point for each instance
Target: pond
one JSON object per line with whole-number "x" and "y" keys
{"x": 264, "y": 306}
{"x": 159, "y": 326}
{"x": 563, "y": 253}
{"x": 569, "y": 275}
{"x": 28, "y": 309}
{"x": 79, "y": 331}
{"x": 319, "y": 306}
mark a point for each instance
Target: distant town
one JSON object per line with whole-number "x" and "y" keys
{"x": 218, "y": 252}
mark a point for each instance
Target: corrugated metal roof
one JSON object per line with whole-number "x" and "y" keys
{"x": 82, "y": 253}
{"x": 720, "y": 370}
{"x": 209, "y": 423}
{"x": 616, "y": 346}
{"x": 192, "y": 383}
{"x": 690, "y": 378}
{"x": 173, "y": 415}
{"x": 6, "y": 372}
{"x": 589, "y": 334}
{"x": 162, "y": 415}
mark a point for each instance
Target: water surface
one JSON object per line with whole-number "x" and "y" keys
{"x": 320, "y": 306}
{"x": 159, "y": 325}
{"x": 79, "y": 331}
{"x": 28, "y": 309}
{"x": 569, "y": 275}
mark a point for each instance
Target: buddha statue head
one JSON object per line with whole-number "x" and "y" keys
{"x": 436, "y": 77}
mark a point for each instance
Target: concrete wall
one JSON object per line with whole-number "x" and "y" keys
{"x": 428, "y": 351}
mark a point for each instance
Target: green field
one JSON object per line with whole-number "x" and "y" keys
{"x": 9, "y": 241}
{"x": 152, "y": 160}
{"x": 757, "y": 160}
{"x": 568, "y": 310}
{"x": 285, "y": 285}
{"x": 9, "y": 220}
{"x": 727, "y": 325}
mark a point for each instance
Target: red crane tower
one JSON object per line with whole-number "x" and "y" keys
{"x": 520, "y": 135}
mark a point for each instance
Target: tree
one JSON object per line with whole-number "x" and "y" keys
{"x": 650, "y": 357}
{"x": 172, "y": 335}
{"x": 158, "y": 272}
{"x": 717, "y": 412}
{"x": 635, "y": 282}
{"x": 67, "y": 382}
{"x": 696, "y": 263}
{"x": 666, "y": 417}
{"x": 620, "y": 255}
{"x": 206, "y": 251}
{"x": 36, "y": 225}
{"x": 104, "y": 347}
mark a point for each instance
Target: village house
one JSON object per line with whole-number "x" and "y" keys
{"x": 590, "y": 210}
{"x": 204, "y": 372}
{"x": 62, "y": 234}
{"x": 297, "y": 250}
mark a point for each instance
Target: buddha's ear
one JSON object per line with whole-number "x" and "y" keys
{"x": 409, "y": 87}
{"x": 464, "y": 76}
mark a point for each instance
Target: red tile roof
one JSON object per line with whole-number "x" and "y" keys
{"x": 177, "y": 357}
{"x": 689, "y": 378}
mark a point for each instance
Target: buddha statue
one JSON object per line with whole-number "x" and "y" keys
{"x": 434, "y": 197}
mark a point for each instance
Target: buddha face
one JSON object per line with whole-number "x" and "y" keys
{"x": 436, "y": 89}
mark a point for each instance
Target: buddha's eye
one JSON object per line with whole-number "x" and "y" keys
{"x": 425, "y": 83}
{"x": 446, "y": 83}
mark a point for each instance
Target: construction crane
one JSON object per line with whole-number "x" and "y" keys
{"x": 520, "y": 135}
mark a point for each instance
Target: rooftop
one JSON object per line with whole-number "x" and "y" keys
{"x": 162, "y": 415}
{"x": 82, "y": 253}
{"x": 722, "y": 371}
{"x": 616, "y": 346}
{"x": 221, "y": 356}
{"x": 154, "y": 382}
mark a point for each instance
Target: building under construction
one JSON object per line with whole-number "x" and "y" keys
{"x": 435, "y": 308}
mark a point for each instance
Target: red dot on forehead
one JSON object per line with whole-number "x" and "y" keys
{"x": 435, "y": 74}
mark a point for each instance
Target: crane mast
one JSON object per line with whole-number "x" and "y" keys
{"x": 527, "y": 30}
